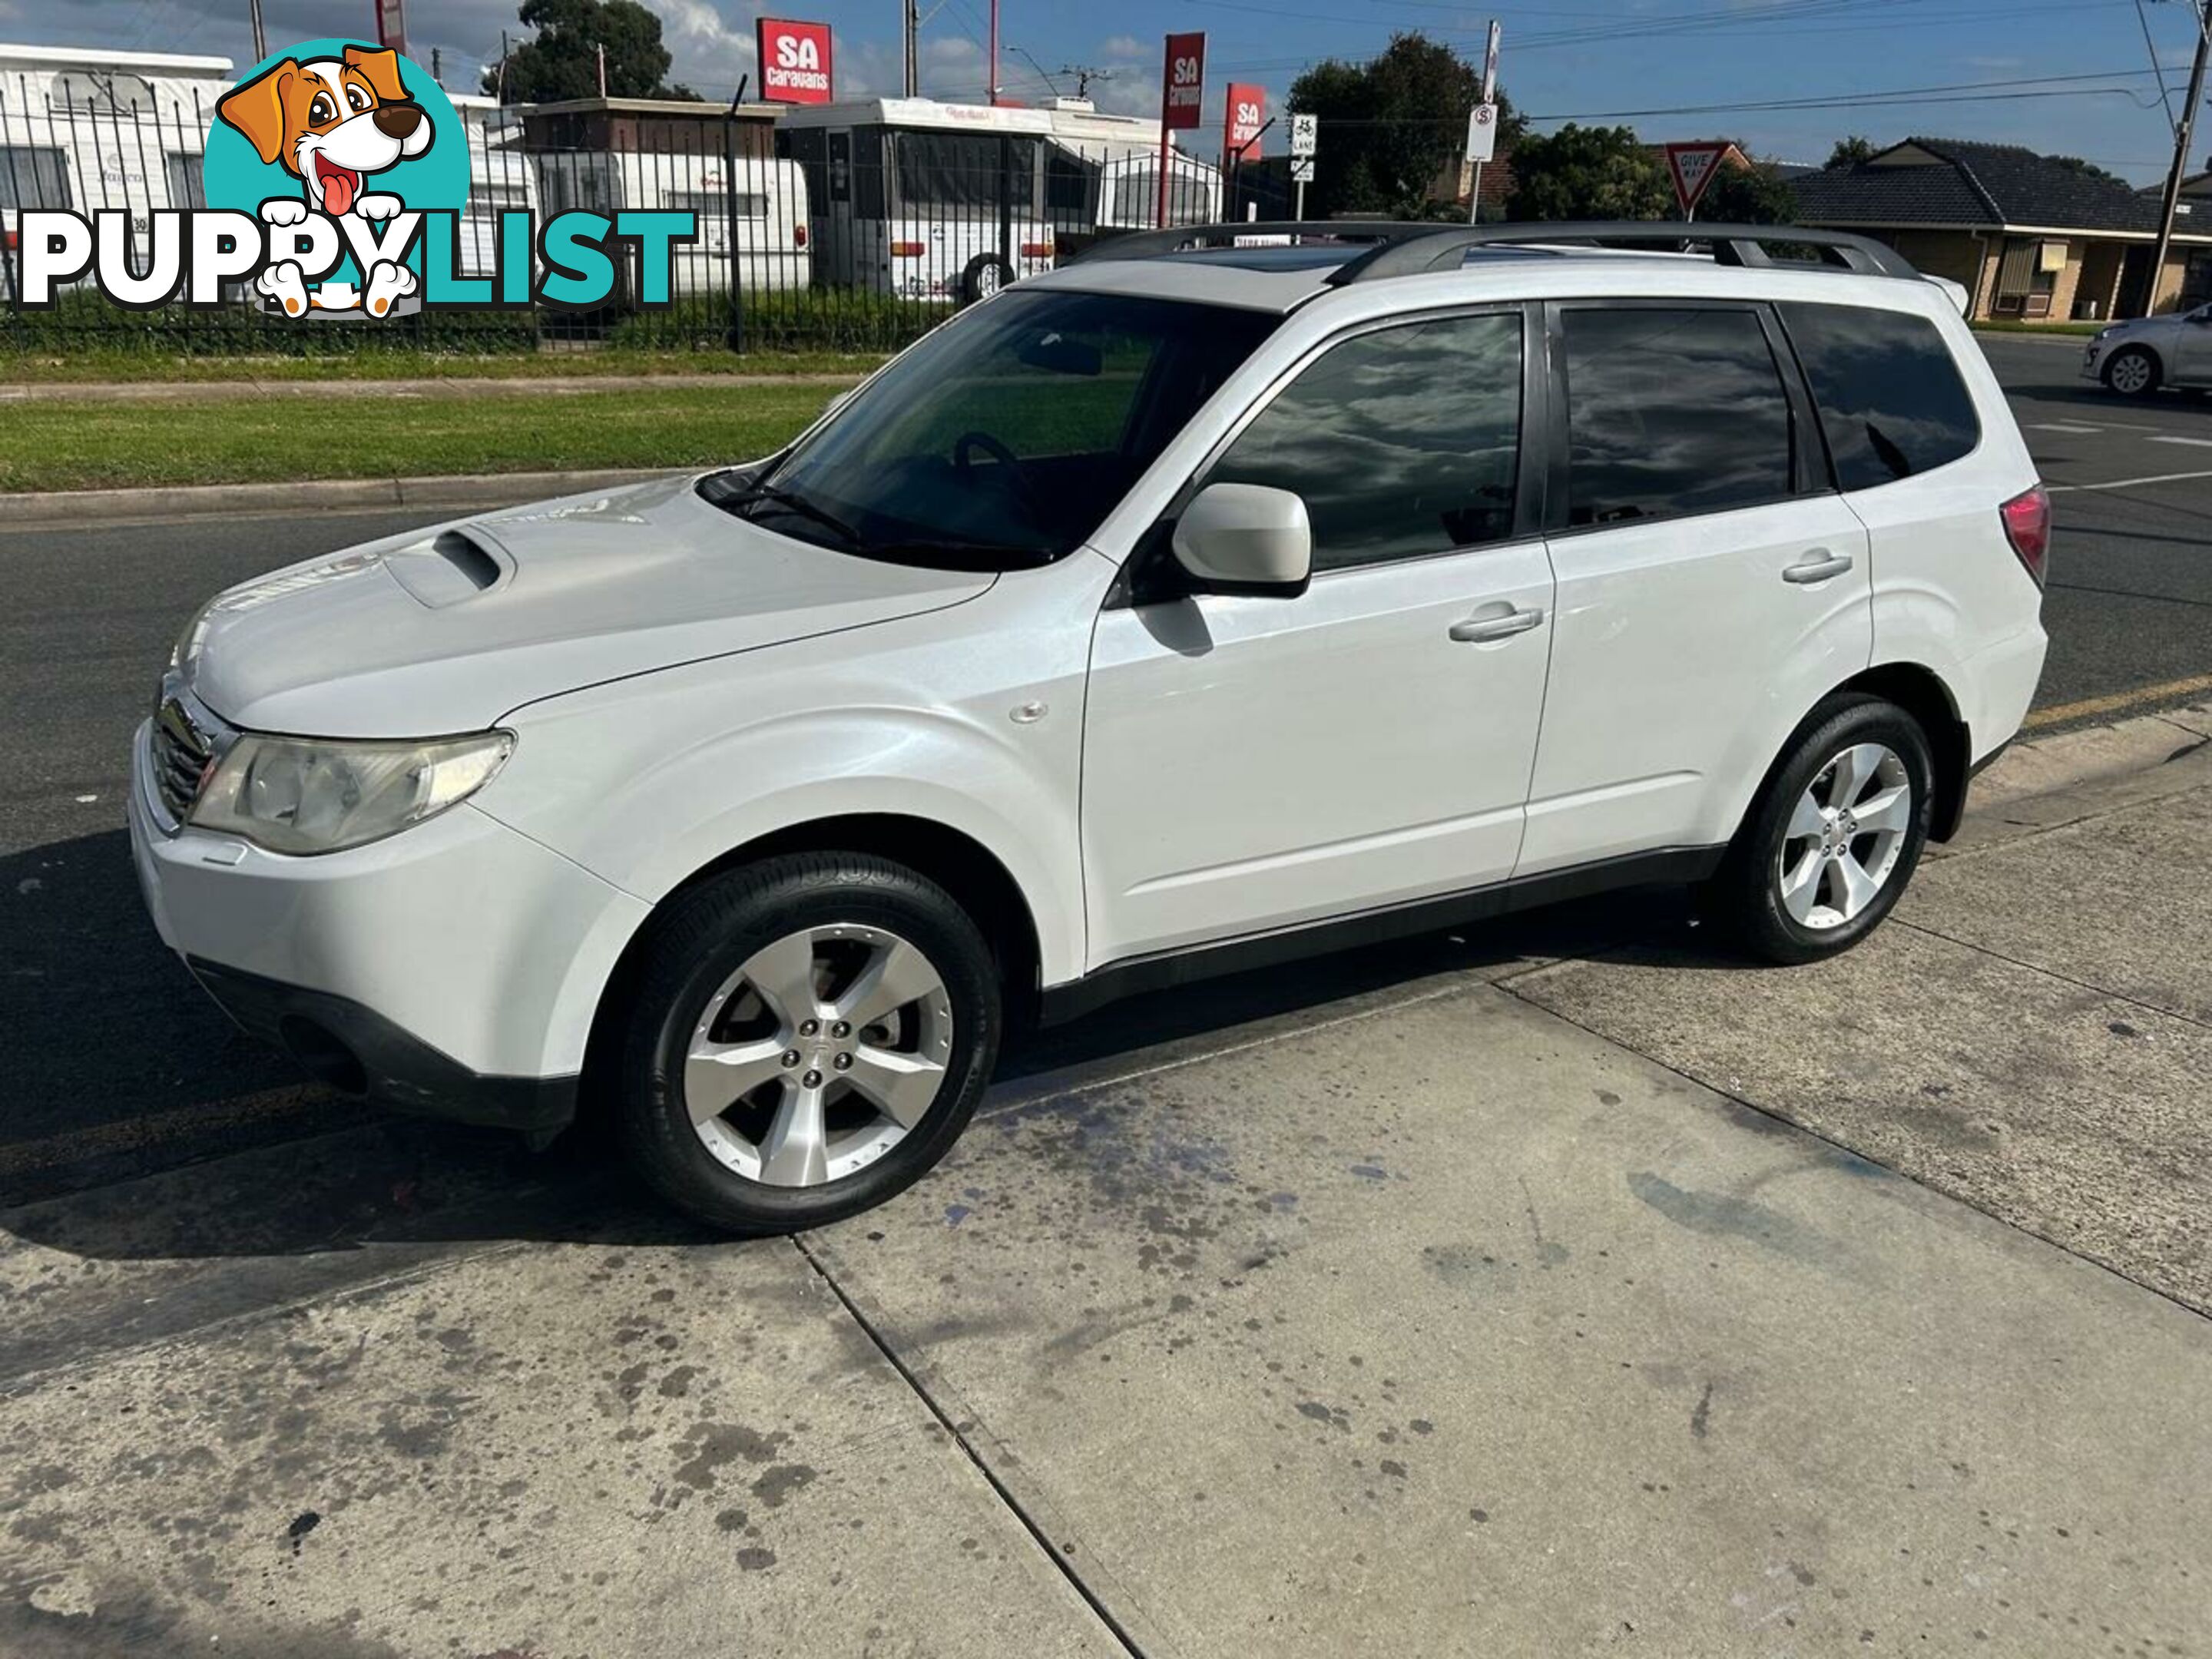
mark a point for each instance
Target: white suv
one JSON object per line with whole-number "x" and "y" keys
{"x": 1196, "y": 606}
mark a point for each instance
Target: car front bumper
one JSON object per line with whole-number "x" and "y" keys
{"x": 454, "y": 968}
{"x": 2093, "y": 360}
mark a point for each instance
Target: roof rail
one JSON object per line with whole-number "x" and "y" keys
{"x": 1411, "y": 247}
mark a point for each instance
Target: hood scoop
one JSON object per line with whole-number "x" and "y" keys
{"x": 454, "y": 567}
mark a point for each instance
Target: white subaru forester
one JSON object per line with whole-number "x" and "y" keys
{"x": 1196, "y": 606}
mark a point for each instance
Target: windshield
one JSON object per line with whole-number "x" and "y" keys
{"x": 1005, "y": 438}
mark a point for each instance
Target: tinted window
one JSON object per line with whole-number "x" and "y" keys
{"x": 1890, "y": 397}
{"x": 1672, "y": 411}
{"x": 1402, "y": 442}
{"x": 1005, "y": 436}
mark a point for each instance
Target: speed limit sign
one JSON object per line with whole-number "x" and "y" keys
{"x": 1482, "y": 133}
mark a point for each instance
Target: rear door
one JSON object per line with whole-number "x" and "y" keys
{"x": 1712, "y": 585}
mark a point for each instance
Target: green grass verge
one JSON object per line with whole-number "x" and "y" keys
{"x": 74, "y": 446}
{"x": 2038, "y": 328}
{"x": 109, "y": 365}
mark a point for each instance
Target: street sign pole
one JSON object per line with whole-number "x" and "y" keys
{"x": 1305, "y": 136}
{"x": 1489, "y": 98}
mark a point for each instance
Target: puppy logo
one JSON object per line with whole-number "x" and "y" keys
{"x": 338, "y": 123}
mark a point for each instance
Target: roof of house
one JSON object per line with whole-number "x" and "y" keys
{"x": 1949, "y": 181}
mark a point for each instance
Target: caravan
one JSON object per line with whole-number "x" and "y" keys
{"x": 949, "y": 202}
{"x": 82, "y": 129}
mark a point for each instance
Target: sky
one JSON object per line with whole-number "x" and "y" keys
{"x": 2070, "y": 76}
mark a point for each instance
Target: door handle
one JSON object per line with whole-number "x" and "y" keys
{"x": 1818, "y": 566}
{"x": 1478, "y": 630}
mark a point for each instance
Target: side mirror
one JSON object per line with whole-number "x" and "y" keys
{"x": 1246, "y": 538}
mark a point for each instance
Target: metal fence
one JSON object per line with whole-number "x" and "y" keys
{"x": 808, "y": 238}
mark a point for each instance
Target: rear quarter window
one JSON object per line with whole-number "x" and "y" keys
{"x": 1888, "y": 393}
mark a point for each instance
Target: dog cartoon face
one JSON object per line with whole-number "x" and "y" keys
{"x": 330, "y": 121}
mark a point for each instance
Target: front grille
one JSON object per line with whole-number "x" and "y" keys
{"x": 181, "y": 755}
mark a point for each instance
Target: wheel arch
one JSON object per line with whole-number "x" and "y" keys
{"x": 1921, "y": 692}
{"x": 2145, "y": 348}
{"x": 955, "y": 860}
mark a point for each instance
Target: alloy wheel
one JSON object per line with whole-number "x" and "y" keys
{"x": 1844, "y": 837}
{"x": 818, "y": 1056}
{"x": 2131, "y": 374}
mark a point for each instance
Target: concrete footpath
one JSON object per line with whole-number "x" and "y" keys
{"x": 1553, "y": 1288}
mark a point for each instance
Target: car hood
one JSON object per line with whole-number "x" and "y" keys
{"x": 448, "y": 628}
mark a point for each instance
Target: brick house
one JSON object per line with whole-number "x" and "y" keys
{"x": 2030, "y": 237}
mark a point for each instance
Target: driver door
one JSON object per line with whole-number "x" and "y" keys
{"x": 2192, "y": 348}
{"x": 1254, "y": 762}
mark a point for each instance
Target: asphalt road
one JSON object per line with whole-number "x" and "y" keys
{"x": 2130, "y": 605}
{"x": 118, "y": 1065}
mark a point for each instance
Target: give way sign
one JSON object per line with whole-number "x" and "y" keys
{"x": 1692, "y": 168}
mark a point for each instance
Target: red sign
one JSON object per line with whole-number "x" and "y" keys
{"x": 1247, "y": 114}
{"x": 1692, "y": 167}
{"x": 391, "y": 25}
{"x": 794, "y": 60}
{"x": 1182, "y": 82}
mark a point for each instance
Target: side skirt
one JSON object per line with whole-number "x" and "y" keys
{"x": 1162, "y": 970}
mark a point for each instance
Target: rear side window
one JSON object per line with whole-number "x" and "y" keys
{"x": 1403, "y": 441}
{"x": 1890, "y": 397}
{"x": 1672, "y": 411}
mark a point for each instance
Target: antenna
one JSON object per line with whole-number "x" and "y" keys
{"x": 1084, "y": 74}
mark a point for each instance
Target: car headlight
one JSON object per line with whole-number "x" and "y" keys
{"x": 318, "y": 795}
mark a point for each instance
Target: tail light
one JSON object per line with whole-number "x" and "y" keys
{"x": 906, "y": 250}
{"x": 9, "y": 238}
{"x": 2027, "y": 527}
{"x": 799, "y": 236}
{"x": 1037, "y": 250}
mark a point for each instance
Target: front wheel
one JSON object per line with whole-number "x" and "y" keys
{"x": 807, "y": 1037}
{"x": 1833, "y": 837}
{"x": 2132, "y": 373}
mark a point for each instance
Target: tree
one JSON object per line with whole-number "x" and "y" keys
{"x": 1850, "y": 152}
{"x": 2091, "y": 170}
{"x": 1752, "y": 194}
{"x": 1390, "y": 126}
{"x": 563, "y": 60}
{"x": 1588, "y": 172}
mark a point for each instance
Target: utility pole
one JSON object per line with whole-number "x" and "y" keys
{"x": 603, "y": 72}
{"x": 260, "y": 38}
{"x": 2181, "y": 139}
{"x": 1084, "y": 75}
{"x": 994, "y": 54}
{"x": 910, "y": 29}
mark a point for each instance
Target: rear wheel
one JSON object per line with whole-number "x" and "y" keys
{"x": 808, "y": 1035}
{"x": 986, "y": 274}
{"x": 2131, "y": 372}
{"x": 1833, "y": 837}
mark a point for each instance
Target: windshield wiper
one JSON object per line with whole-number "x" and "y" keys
{"x": 792, "y": 502}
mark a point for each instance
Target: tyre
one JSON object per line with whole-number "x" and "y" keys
{"x": 2132, "y": 373}
{"x": 1834, "y": 836}
{"x": 806, "y": 1036}
{"x": 986, "y": 274}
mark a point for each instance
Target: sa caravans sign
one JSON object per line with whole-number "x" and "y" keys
{"x": 794, "y": 60}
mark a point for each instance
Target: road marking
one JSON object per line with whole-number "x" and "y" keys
{"x": 2171, "y": 691}
{"x": 155, "y": 1129}
{"x": 2129, "y": 484}
{"x": 2200, "y": 443}
{"x": 2059, "y": 426}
